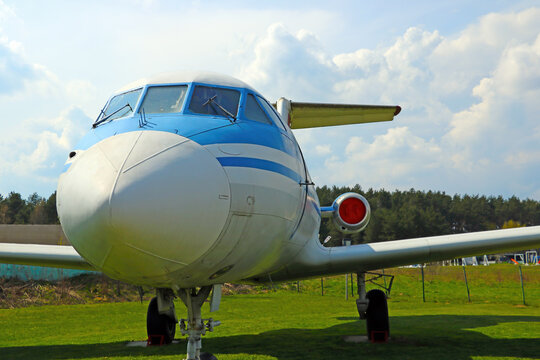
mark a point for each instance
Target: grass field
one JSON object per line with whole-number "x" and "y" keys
{"x": 284, "y": 324}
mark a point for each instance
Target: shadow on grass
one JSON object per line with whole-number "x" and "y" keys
{"x": 413, "y": 337}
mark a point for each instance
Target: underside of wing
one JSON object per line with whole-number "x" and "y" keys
{"x": 58, "y": 256}
{"x": 316, "y": 260}
{"x": 302, "y": 115}
{"x": 310, "y": 115}
{"x": 38, "y": 245}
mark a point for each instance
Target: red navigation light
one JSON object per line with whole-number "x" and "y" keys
{"x": 352, "y": 210}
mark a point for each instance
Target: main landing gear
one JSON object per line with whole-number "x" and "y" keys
{"x": 161, "y": 319}
{"x": 372, "y": 306}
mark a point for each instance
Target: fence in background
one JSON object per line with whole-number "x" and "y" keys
{"x": 25, "y": 272}
{"x": 349, "y": 287}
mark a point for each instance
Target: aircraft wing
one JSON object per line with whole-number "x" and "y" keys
{"x": 58, "y": 256}
{"x": 309, "y": 115}
{"x": 316, "y": 260}
{"x": 31, "y": 245}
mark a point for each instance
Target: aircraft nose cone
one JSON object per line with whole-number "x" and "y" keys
{"x": 143, "y": 204}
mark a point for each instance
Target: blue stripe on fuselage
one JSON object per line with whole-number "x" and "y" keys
{"x": 235, "y": 161}
{"x": 315, "y": 205}
{"x": 249, "y": 132}
{"x": 205, "y": 130}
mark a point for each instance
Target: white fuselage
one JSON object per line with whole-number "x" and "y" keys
{"x": 169, "y": 205}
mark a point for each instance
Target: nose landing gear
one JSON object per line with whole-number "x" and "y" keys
{"x": 161, "y": 319}
{"x": 194, "y": 327}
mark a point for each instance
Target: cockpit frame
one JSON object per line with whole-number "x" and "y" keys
{"x": 266, "y": 107}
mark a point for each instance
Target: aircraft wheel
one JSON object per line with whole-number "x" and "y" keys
{"x": 378, "y": 326}
{"x": 158, "y": 324}
{"x": 207, "y": 356}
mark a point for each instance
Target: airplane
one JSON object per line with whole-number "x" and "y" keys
{"x": 190, "y": 180}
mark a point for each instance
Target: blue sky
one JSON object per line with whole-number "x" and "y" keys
{"x": 467, "y": 76}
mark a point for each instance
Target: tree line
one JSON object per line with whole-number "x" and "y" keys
{"x": 394, "y": 215}
{"x": 410, "y": 214}
{"x": 34, "y": 210}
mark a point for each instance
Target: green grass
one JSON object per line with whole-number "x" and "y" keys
{"x": 289, "y": 325}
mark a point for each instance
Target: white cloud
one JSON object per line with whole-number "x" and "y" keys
{"x": 522, "y": 158}
{"x": 33, "y": 144}
{"x": 295, "y": 64}
{"x": 5, "y": 11}
{"x": 386, "y": 75}
{"x": 14, "y": 70}
{"x": 470, "y": 104}
{"x": 500, "y": 125}
{"x": 469, "y": 98}
{"x": 389, "y": 161}
{"x": 41, "y": 154}
{"x": 462, "y": 61}
{"x": 323, "y": 149}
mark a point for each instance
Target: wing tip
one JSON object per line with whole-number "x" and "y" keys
{"x": 398, "y": 110}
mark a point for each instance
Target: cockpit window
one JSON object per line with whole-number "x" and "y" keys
{"x": 120, "y": 105}
{"x": 164, "y": 99}
{"x": 254, "y": 111}
{"x": 272, "y": 112}
{"x": 214, "y": 101}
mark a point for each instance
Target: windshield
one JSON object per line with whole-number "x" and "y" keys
{"x": 213, "y": 101}
{"x": 253, "y": 111}
{"x": 164, "y": 99}
{"x": 121, "y": 105}
{"x": 272, "y": 112}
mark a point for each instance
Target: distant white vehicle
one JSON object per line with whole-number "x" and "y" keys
{"x": 187, "y": 181}
{"x": 471, "y": 260}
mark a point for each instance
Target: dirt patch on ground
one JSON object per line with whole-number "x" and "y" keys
{"x": 82, "y": 289}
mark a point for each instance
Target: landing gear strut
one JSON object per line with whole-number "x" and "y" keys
{"x": 161, "y": 319}
{"x": 195, "y": 326}
{"x": 372, "y": 307}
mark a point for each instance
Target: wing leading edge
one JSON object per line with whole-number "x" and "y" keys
{"x": 316, "y": 260}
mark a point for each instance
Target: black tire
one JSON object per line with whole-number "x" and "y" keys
{"x": 158, "y": 325}
{"x": 207, "y": 356}
{"x": 378, "y": 326}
